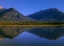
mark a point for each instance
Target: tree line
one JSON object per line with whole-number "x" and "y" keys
{"x": 31, "y": 23}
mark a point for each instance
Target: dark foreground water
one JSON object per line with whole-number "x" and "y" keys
{"x": 31, "y": 36}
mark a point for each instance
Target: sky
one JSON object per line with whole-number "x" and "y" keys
{"x": 27, "y": 7}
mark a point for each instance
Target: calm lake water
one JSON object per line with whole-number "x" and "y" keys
{"x": 31, "y": 36}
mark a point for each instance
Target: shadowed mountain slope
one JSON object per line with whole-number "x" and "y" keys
{"x": 52, "y": 14}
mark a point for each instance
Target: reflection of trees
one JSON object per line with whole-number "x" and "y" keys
{"x": 51, "y": 33}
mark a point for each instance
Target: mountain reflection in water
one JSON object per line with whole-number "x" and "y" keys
{"x": 48, "y": 33}
{"x": 11, "y": 32}
{"x": 30, "y": 34}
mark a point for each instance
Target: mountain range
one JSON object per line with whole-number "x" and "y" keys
{"x": 51, "y": 14}
{"x": 48, "y": 15}
{"x": 12, "y": 15}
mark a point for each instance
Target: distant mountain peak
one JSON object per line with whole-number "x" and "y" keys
{"x": 52, "y": 9}
{"x": 50, "y": 13}
{"x": 11, "y": 8}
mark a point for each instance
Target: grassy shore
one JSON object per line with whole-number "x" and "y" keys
{"x": 31, "y": 25}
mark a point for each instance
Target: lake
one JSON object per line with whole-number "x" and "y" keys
{"x": 31, "y": 36}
